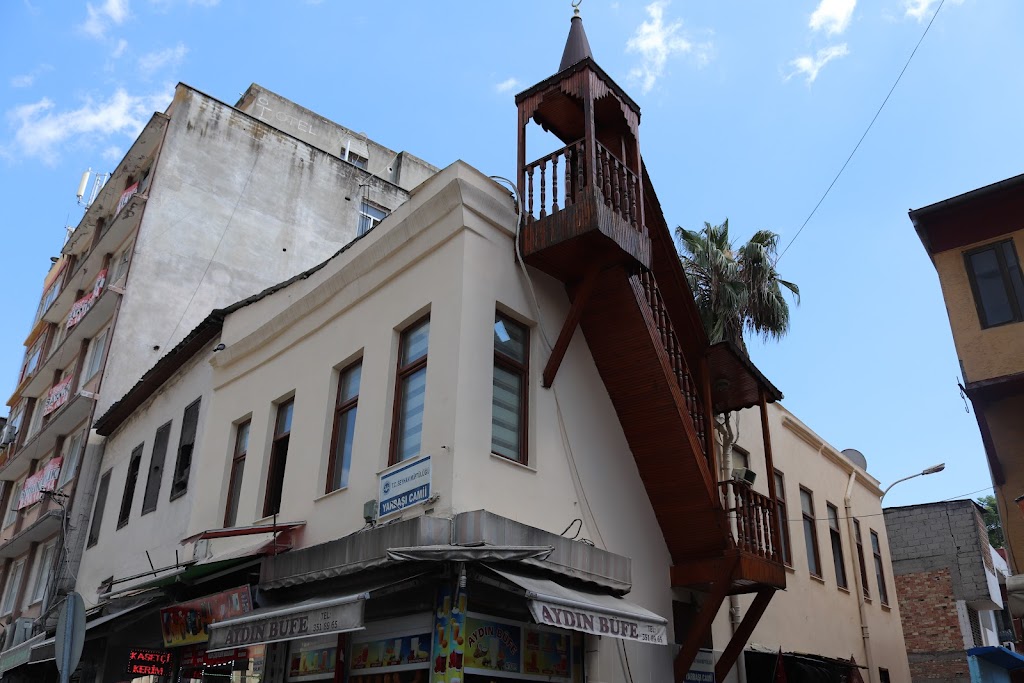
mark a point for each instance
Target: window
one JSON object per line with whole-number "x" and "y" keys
{"x": 837, "y": 545}
{"x": 13, "y": 585}
{"x": 407, "y": 429}
{"x": 129, "y": 486}
{"x": 369, "y": 216}
{"x": 860, "y": 558}
{"x": 278, "y": 458}
{"x": 44, "y": 558}
{"x": 120, "y": 266}
{"x": 996, "y": 281}
{"x": 237, "y": 469}
{"x": 97, "y": 510}
{"x": 187, "y": 441}
{"x": 12, "y": 509}
{"x": 96, "y": 350}
{"x": 783, "y": 514}
{"x": 156, "y": 468}
{"x": 32, "y": 357}
{"x": 876, "y": 549}
{"x": 72, "y": 456}
{"x": 48, "y": 297}
{"x": 883, "y": 675}
{"x": 740, "y": 458}
{"x": 344, "y": 426}
{"x": 810, "y": 532}
{"x": 356, "y": 160}
{"x": 509, "y": 405}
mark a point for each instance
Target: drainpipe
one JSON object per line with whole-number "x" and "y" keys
{"x": 735, "y": 609}
{"x": 851, "y": 533}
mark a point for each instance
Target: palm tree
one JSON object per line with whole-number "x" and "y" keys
{"x": 736, "y": 291}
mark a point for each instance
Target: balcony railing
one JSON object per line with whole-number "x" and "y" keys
{"x": 755, "y": 517}
{"x": 694, "y": 403}
{"x": 564, "y": 171}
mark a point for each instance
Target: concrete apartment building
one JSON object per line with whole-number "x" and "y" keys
{"x": 948, "y": 579}
{"x": 212, "y": 203}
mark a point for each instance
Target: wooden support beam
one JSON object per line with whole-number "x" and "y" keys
{"x": 705, "y": 618}
{"x": 776, "y": 528}
{"x": 739, "y": 639}
{"x": 572, "y": 320}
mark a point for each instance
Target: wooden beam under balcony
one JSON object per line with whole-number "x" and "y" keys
{"x": 579, "y": 300}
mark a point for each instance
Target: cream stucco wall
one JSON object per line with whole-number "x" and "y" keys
{"x": 813, "y": 614}
{"x": 984, "y": 353}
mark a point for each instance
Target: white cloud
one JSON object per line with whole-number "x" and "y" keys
{"x": 41, "y": 130}
{"x": 99, "y": 18}
{"x": 655, "y": 41}
{"x": 810, "y": 66}
{"x": 122, "y": 45}
{"x": 507, "y": 85}
{"x": 922, "y": 9}
{"x": 154, "y": 61}
{"x": 112, "y": 153}
{"x": 833, "y": 16}
{"x": 27, "y": 80}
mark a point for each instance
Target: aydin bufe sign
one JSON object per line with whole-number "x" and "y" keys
{"x": 579, "y": 619}
{"x": 404, "y": 487}
{"x": 332, "y": 616}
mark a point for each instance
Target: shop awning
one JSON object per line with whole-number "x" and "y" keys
{"x": 315, "y": 617}
{"x": 999, "y": 656}
{"x": 480, "y": 553}
{"x": 43, "y": 651}
{"x": 553, "y": 604}
{"x": 19, "y": 654}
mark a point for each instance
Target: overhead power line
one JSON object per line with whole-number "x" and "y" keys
{"x": 866, "y": 131}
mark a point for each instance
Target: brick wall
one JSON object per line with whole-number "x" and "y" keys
{"x": 931, "y": 627}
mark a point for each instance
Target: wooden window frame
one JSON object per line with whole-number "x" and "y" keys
{"x": 1016, "y": 306}
{"x": 523, "y": 370}
{"x": 186, "y": 451}
{"x": 237, "y": 469}
{"x": 403, "y": 372}
{"x": 876, "y": 551}
{"x": 865, "y": 589}
{"x": 814, "y": 532}
{"x": 157, "y": 458}
{"x": 782, "y": 511}
{"x": 836, "y": 540}
{"x": 341, "y": 407}
{"x": 96, "y": 523}
{"x": 131, "y": 482}
{"x": 275, "y": 454}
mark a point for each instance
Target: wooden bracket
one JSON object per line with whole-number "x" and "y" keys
{"x": 739, "y": 638}
{"x": 705, "y": 618}
{"x": 579, "y": 301}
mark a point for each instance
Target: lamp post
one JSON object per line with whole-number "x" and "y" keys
{"x": 930, "y": 470}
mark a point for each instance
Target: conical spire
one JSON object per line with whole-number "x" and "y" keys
{"x": 577, "y": 47}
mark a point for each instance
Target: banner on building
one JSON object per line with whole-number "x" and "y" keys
{"x": 579, "y": 618}
{"x": 186, "y": 623}
{"x": 404, "y": 487}
{"x": 126, "y": 196}
{"x": 84, "y": 305}
{"x": 43, "y": 480}
{"x": 58, "y": 395}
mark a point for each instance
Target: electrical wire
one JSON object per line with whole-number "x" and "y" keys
{"x": 866, "y": 131}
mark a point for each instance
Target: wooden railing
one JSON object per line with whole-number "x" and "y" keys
{"x": 619, "y": 187}
{"x": 688, "y": 387}
{"x": 564, "y": 171}
{"x": 571, "y": 177}
{"x": 754, "y": 515}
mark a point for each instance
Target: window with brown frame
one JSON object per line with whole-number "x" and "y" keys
{"x": 996, "y": 283}
{"x": 860, "y": 558}
{"x": 345, "y": 409}
{"x": 810, "y": 532}
{"x": 278, "y": 458}
{"x": 156, "y": 468}
{"x": 510, "y": 403}
{"x": 237, "y": 469}
{"x": 97, "y": 509}
{"x": 876, "y": 550}
{"x": 186, "y": 444}
{"x": 837, "y": 545}
{"x": 410, "y": 393}
{"x": 129, "y": 486}
{"x": 782, "y": 510}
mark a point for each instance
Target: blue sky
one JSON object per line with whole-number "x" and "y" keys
{"x": 749, "y": 110}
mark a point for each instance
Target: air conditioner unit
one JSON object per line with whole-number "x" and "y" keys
{"x": 22, "y": 630}
{"x": 10, "y": 433}
{"x": 742, "y": 475}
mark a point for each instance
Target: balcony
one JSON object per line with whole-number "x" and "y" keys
{"x": 15, "y": 463}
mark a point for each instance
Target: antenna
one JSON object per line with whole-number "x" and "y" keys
{"x": 82, "y": 184}
{"x": 98, "y": 181}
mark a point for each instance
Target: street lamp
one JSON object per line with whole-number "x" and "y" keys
{"x": 930, "y": 470}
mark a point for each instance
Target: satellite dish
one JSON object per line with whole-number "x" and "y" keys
{"x": 857, "y": 458}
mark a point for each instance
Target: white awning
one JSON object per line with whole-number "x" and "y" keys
{"x": 43, "y": 651}
{"x": 316, "y": 617}
{"x": 553, "y": 604}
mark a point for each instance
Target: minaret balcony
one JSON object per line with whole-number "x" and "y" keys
{"x": 575, "y": 219}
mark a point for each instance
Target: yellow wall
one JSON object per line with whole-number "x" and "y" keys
{"x": 984, "y": 354}
{"x": 1004, "y": 420}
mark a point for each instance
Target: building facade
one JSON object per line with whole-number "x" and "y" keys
{"x": 210, "y": 204}
{"x": 948, "y": 579}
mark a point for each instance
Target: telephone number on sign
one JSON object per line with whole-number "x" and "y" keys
{"x": 324, "y": 626}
